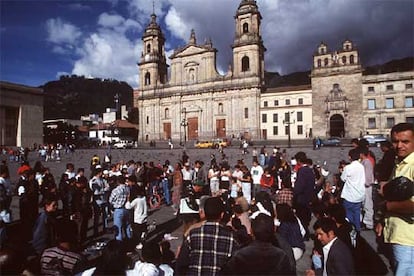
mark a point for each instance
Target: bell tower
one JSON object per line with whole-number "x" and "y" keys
{"x": 248, "y": 48}
{"x": 152, "y": 65}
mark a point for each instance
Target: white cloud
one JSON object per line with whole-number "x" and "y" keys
{"x": 61, "y": 32}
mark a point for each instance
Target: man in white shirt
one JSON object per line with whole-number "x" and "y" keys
{"x": 256, "y": 171}
{"x": 353, "y": 192}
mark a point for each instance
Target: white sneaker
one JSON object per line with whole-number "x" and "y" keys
{"x": 139, "y": 246}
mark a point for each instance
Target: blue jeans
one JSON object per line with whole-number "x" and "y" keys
{"x": 166, "y": 190}
{"x": 122, "y": 223}
{"x": 353, "y": 213}
{"x": 404, "y": 259}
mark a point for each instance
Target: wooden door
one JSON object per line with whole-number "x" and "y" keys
{"x": 221, "y": 128}
{"x": 192, "y": 128}
{"x": 167, "y": 131}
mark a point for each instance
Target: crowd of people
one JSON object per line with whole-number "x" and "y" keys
{"x": 244, "y": 220}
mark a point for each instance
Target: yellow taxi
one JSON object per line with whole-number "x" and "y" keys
{"x": 204, "y": 144}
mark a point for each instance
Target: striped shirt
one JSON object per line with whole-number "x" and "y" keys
{"x": 58, "y": 261}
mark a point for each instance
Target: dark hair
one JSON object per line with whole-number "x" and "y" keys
{"x": 355, "y": 141}
{"x": 285, "y": 213}
{"x": 113, "y": 260}
{"x": 213, "y": 208}
{"x": 81, "y": 170}
{"x": 354, "y": 154}
{"x": 300, "y": 156}
{"x": 337, "y": 212}
{"x": 326, "y": 224}
{"x": 132, "y": 178}
{"x": 151, "y": 253}
{"x": 363, "y": 143}
{"x": 66, "y": 231}
{"x": 363, "y": 150}
{"x": 402, "y": 127}
{"x": 82, "y": 180}
{"x": 70, "y": 166}
{"x": 263, "y": 228}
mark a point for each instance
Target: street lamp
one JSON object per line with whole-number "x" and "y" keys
{"x": 184, "y": 124}
{"x": 288, "y": 122}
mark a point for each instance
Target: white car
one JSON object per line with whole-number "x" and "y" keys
{"x": 375, "y": 140}
{"x": 122, "y": 145}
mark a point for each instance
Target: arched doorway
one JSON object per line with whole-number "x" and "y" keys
{"x": 337, "y": 126}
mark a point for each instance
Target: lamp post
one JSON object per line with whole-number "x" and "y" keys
{"x": 184, "y": 124}
{"x": 288, "y": 122}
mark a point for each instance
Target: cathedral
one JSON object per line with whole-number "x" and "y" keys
{"x": 193, "y": 101}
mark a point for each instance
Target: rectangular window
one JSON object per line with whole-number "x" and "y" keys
{"x": 287, "y": 117}
{"x": 409, "y": 120}
{"x": 408, "y": 86}
{"x": 300, "y": 101}
{"x": 409, "y": 101}
{"x": 275, "y": 130}
{"x": 371, "y": 123}
{"x": 371, "y": 89}
{"x": 246, "y": 113}
{"x": 275, "y": 118}
{"x": 265, "y": 103}
{"x": 287, "y": 102}
{"x": 371, "y": 104}
{"x": 390, "y": 87}
{"x": 276, "y": 103}
{"x": 390, "y": 122}
{"x": 264, "y": 118}
{"x": 389, "y": 103}
{"x": 299, "y": 116}
{"x": 147, "y": 120}
{"x": 287, "y": 130}
{"x": 300, "y": 130}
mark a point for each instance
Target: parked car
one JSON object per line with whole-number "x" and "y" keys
{"x": 204, "y": 144}
{"x": 220, "y": 142}
{"x": 375, "y": 140}
{"x": 123, "y": 145}
{"x": 331, "y": 142}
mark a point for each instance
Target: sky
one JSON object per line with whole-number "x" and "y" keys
{"x": 44, "y": 39}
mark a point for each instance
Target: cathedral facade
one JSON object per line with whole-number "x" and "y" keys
{"x": 197, "y": 102}
{"x": 194, "y": 102}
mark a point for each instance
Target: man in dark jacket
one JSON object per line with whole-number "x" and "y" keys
{"x": 336, "y": 257}
{"x": 304, "y": 189}
{"x": 260, "y": 257}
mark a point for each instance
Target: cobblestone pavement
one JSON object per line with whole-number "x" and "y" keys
{"x": 164, "y": 217}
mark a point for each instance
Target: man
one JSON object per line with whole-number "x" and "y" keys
{"x": 117, "y": 199}
{"x": 63, "y": 259}
{"x": 44, "y": 231}
{"x": 207, "y": 248}
{"x": 260, "y": 257}
{"x": 398, "y": 232}
{"x": 303, "y": 190}
{"x": 97, "y": 185}
{"x": 353, "y": 191}
{"x": 256, "y": 172}
{"x": 337, "y": 257}
{"x": 368, "y": 218}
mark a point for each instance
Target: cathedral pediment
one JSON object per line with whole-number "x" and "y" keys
{"x": 190, "y": 50}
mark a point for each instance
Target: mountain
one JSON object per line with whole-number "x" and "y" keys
{"x": 396, "y": 65}
{"x": 73, "y": 96}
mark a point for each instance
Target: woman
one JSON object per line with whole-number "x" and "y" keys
{"x": 225, "y": 176}
{"x": 213, "y": 177}
{"x": 290, "y": 230}
{"x": 177, "y": 186}
{"x": 246, "y": 183}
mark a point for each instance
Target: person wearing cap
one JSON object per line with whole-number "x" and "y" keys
{"x": 207, "y": 248}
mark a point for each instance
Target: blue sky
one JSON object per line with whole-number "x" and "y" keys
{"x": 41, "y": 40}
